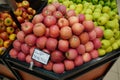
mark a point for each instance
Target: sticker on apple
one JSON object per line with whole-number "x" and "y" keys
{"x": 40, "y": 56}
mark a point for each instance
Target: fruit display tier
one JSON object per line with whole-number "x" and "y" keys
{"x": 80, "y": 70}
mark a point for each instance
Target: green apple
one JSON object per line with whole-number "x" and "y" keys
{"x": 110, "y": 25}
{"x": 99, "y": 6}
{"x": 92, "y": 7}
{"x": 96, "y": 15}
{"x": 115, "y": 46}
{"x": 108, "y": 33}
{"x": 101, "y": 2}
{"x": 88, "y": 11}
{"x": 88, "y": 17}
{"x": 97, "y": 10}
{"x": 73, "y": 6}
{"x": 107, "y": 3}
{"x": 112, "y": 40}
{"x": 95, "y": 1}
{"x": 95, "y": 23}
{"x": 118, "y": 42}
{"x": 101, "y": 52}
{"x": 102, "y": 20}
{"x": 106, "y": 9}
{"x": 116, "y": 33}
{"x": 106, "y": 15}
{"x": 113, "y": 4}
{"x": 66, "y": 3}
{"x": 78, "y": 1}
{"x": 115, "y": 10}
{"x": 105, "y": 44}
{"x": 109, "y": 49}
{"x": 112, "y": 14}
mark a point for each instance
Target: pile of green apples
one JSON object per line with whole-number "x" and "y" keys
{"x": 104, "y": 13}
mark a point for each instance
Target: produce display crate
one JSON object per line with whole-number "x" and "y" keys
{"x": 42, "y": 73}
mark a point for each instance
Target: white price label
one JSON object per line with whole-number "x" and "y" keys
{"x": 40, "y": 56}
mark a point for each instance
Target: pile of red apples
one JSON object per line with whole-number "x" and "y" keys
{"x": 24, "y": 11}
{"x": 69, "y": 39}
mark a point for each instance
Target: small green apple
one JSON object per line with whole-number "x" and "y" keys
{"x": 118, "y": 42}
{"x": 109, "y": 49}
{"x": 108, "y": 33}
{"x": 101, "y": 52}
{"x": 102, "y": 27}
{"x": 88, "y": 11}
{"x": 106, "y": 9}
{"x": 73, "y": 6}
{"x": 115, "y": 46}
{"x": 97, "y": 10}
{"x": 102, "y": 20}
{"x": 107, "y": 3}
{"x": 101, "y": 2}
{"x": 105, "y": 44}
{"x": 96, "y": 15}
{"x": 112, "y": 40}
{"x": 110, "y": 25}
{"x": 99, "y": 6}
{"x": 115, "y": 10}
{"x": 88, "y": 17}
{"x": 112, "y": 14}
{"x": 95, "y": 23}
{"x": 66, "y": 3}
{"x": 116, "y": 33}
{"x": 95, "y": 1}
{"x": 113, "y": 4}
{"x": 106, "y": 15}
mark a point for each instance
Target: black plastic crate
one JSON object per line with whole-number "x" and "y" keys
{"x": 67, "y": 75}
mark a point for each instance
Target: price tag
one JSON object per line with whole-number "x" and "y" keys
{"x": 41, "y": 56}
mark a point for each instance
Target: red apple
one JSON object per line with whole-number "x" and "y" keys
{"x": 49, "y": 21}
{"x": 20, "y": 19}
{"x": 57, "y": 56}
{"x": 73, "y": 19}
{"x": 46, "y": 12}
{"x": 63, "y": 45}
{"x": 94, "y": 54}
{"x": 21, "y": 56}
{"x": 25, "y": 48}
{"x": 86, "y": 57}
{"x": 51, "y": 44}
{"x": 66, "y": 32}
{"x": 32, "y": 50}
{"x": 62, "y": 9}
{"x": 27, "y": 27}
{"x": 39, "y": 29}
{"x": 51, "y": 7}
{"x": 58, "y": 68}
{"x": 89, "y": 25}
{"x": 84, "y": 37}
{"x": 81, "y": 49}
{"x": 56, "y": 4}
{"x": 99, "y": 32}
{"x": 41, "y": 42}
{"x": 30, "y": 39}
{"x": 54, "y": 31}
{"x": 13, "y": 53}
{"x": 37, "y": 18}
{"x": 77, "y": 28}
{"x": 62, "y": 22}
{"x": 47, "y": 33}
{"x": 49, "y": 66}
{"x": 4, "y": 35}
{"x": 28, "y": 58}
{"x": 57, "y": 14}
{"x": 21, "y": 36}
{"x": 78, "y": 61}
{"x": 89, "y": 46}
{"x": 69, "y": 64}
{"x": 74, "y": 41}
{"x": 81, "y": 18}
{"x": 97, "y": 43}
{"x": 71, "y": 54}
{"x": 92, "y": 35}
{"x": 17, "y": 45}
{"x": 70, "y": 13}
